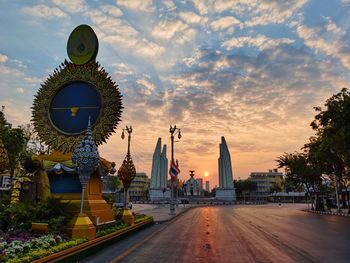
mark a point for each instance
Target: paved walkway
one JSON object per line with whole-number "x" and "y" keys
{"x": 160, "y": 212}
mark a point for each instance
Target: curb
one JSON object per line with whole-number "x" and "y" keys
{"x": 173, "y": 217}
{"x": 327, "y": 213}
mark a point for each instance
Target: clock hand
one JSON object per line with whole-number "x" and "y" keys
{"x": 74, "y": 110}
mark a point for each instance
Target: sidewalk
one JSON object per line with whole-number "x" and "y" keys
{"x": 160, "y": 212}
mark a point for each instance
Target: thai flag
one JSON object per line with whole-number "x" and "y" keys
{"x": 174, "y": 170}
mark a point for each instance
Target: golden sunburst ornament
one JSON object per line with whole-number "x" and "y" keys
{"x": 67, "y": 98}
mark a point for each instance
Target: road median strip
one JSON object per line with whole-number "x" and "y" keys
{"x": 92, "y": 244}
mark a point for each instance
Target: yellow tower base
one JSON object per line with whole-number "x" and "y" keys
{"x": 81, "y": 226}
{"x": 126, "y": 216}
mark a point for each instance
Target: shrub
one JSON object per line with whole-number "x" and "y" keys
{"x": 140, "y": 219}
{"x": 53, "y": 208}
{"x": 109, "y": 198}
{"x": 21, "y": 215}
{"x": 56, "y": 225}
{"x": 109, "y": 230}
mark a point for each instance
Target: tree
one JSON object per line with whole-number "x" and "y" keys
{"x": 244, "y": 186}
{"x": 288, "y": 186}
{"x": 332, "y": 126}
{"x": 14, "y": 141}
{"x": 300, "y": 172}
{"x": 34, "y": 145}
{"x": 275, "y": 188}
{"x": 113, "y": 183}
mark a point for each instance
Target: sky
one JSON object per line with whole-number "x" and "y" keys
{"x": 249, "y": 70}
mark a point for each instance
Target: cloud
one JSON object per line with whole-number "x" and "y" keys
{"x": 202, "y": 6}
{"x": 112, "y": 10}
{"x": 256, "y": 98}
{"x": 224, "y": 23}
{"x": 10, "y": 71}
{"x": 147, "y": 84}
{"x": 19, "y": 63}
{"x": 115, "y": 30}
{"x": 20, "y": 90}
{"x": 335, "y": 47}
{"x": 3, "y": 58}
{"x": 34, "y": 80}
{"x": 71, "y": 6}
{"x": 332, "y": 27}
{"x": 148, "y": 48}
{"x": 167, "y": 29}
{"x": 43, "y": 11}
{"x": 260, "y": 41}
{"x": 139, "y": 5}
{"x": 169, "y": 5}
{"x": 16, "y": 114}
{"x": 190, "y": 17}
{"x": 261, "y": 12}
{"x": 120, "y": 34}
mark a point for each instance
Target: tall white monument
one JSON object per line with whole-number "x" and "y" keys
{"x": 226, "y": 190}
{"x": 159, "y": 174}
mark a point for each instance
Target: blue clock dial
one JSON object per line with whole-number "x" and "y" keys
{"x": 72, "y": 105}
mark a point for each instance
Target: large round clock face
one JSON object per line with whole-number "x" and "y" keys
{"x": 72, "y": 105}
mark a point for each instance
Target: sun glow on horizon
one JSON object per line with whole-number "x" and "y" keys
{"x": 206, "y": 174}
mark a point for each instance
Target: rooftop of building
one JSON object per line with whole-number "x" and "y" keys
{"x": 270, "y": 173}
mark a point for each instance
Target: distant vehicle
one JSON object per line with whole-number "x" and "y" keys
{"x": 121, "y": 204}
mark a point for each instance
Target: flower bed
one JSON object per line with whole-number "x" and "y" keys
{"x": 110, "y": 229}
{"x": 141, "y": 218}
{"x": 113, "y": 227}
{"x": 26, "y": 248}
{"x": 16, "y": 246}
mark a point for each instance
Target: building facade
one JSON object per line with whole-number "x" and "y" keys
{"x": 207, "y": 186}
{"x": 264, "y": 180}
{"x": 139, "y": 188}
{"x": 200, "y": 183}
{"x": 191, "y": 186}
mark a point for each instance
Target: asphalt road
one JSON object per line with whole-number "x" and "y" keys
{"x": 266, "y": 233}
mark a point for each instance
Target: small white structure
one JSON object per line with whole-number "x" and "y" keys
{"x": 226, "y": 190}
{"x": 192, "y": 187}
{"x": 159, "y": 174}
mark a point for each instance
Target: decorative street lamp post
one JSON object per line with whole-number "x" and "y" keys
{"x": 126, "y": 174}
{"x": 172, "y": 131}
{"x": 86, "y": 159}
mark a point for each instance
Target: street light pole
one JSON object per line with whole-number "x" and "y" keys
{"x": 129, "y": 131}
{"x": 172, "y": 130}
